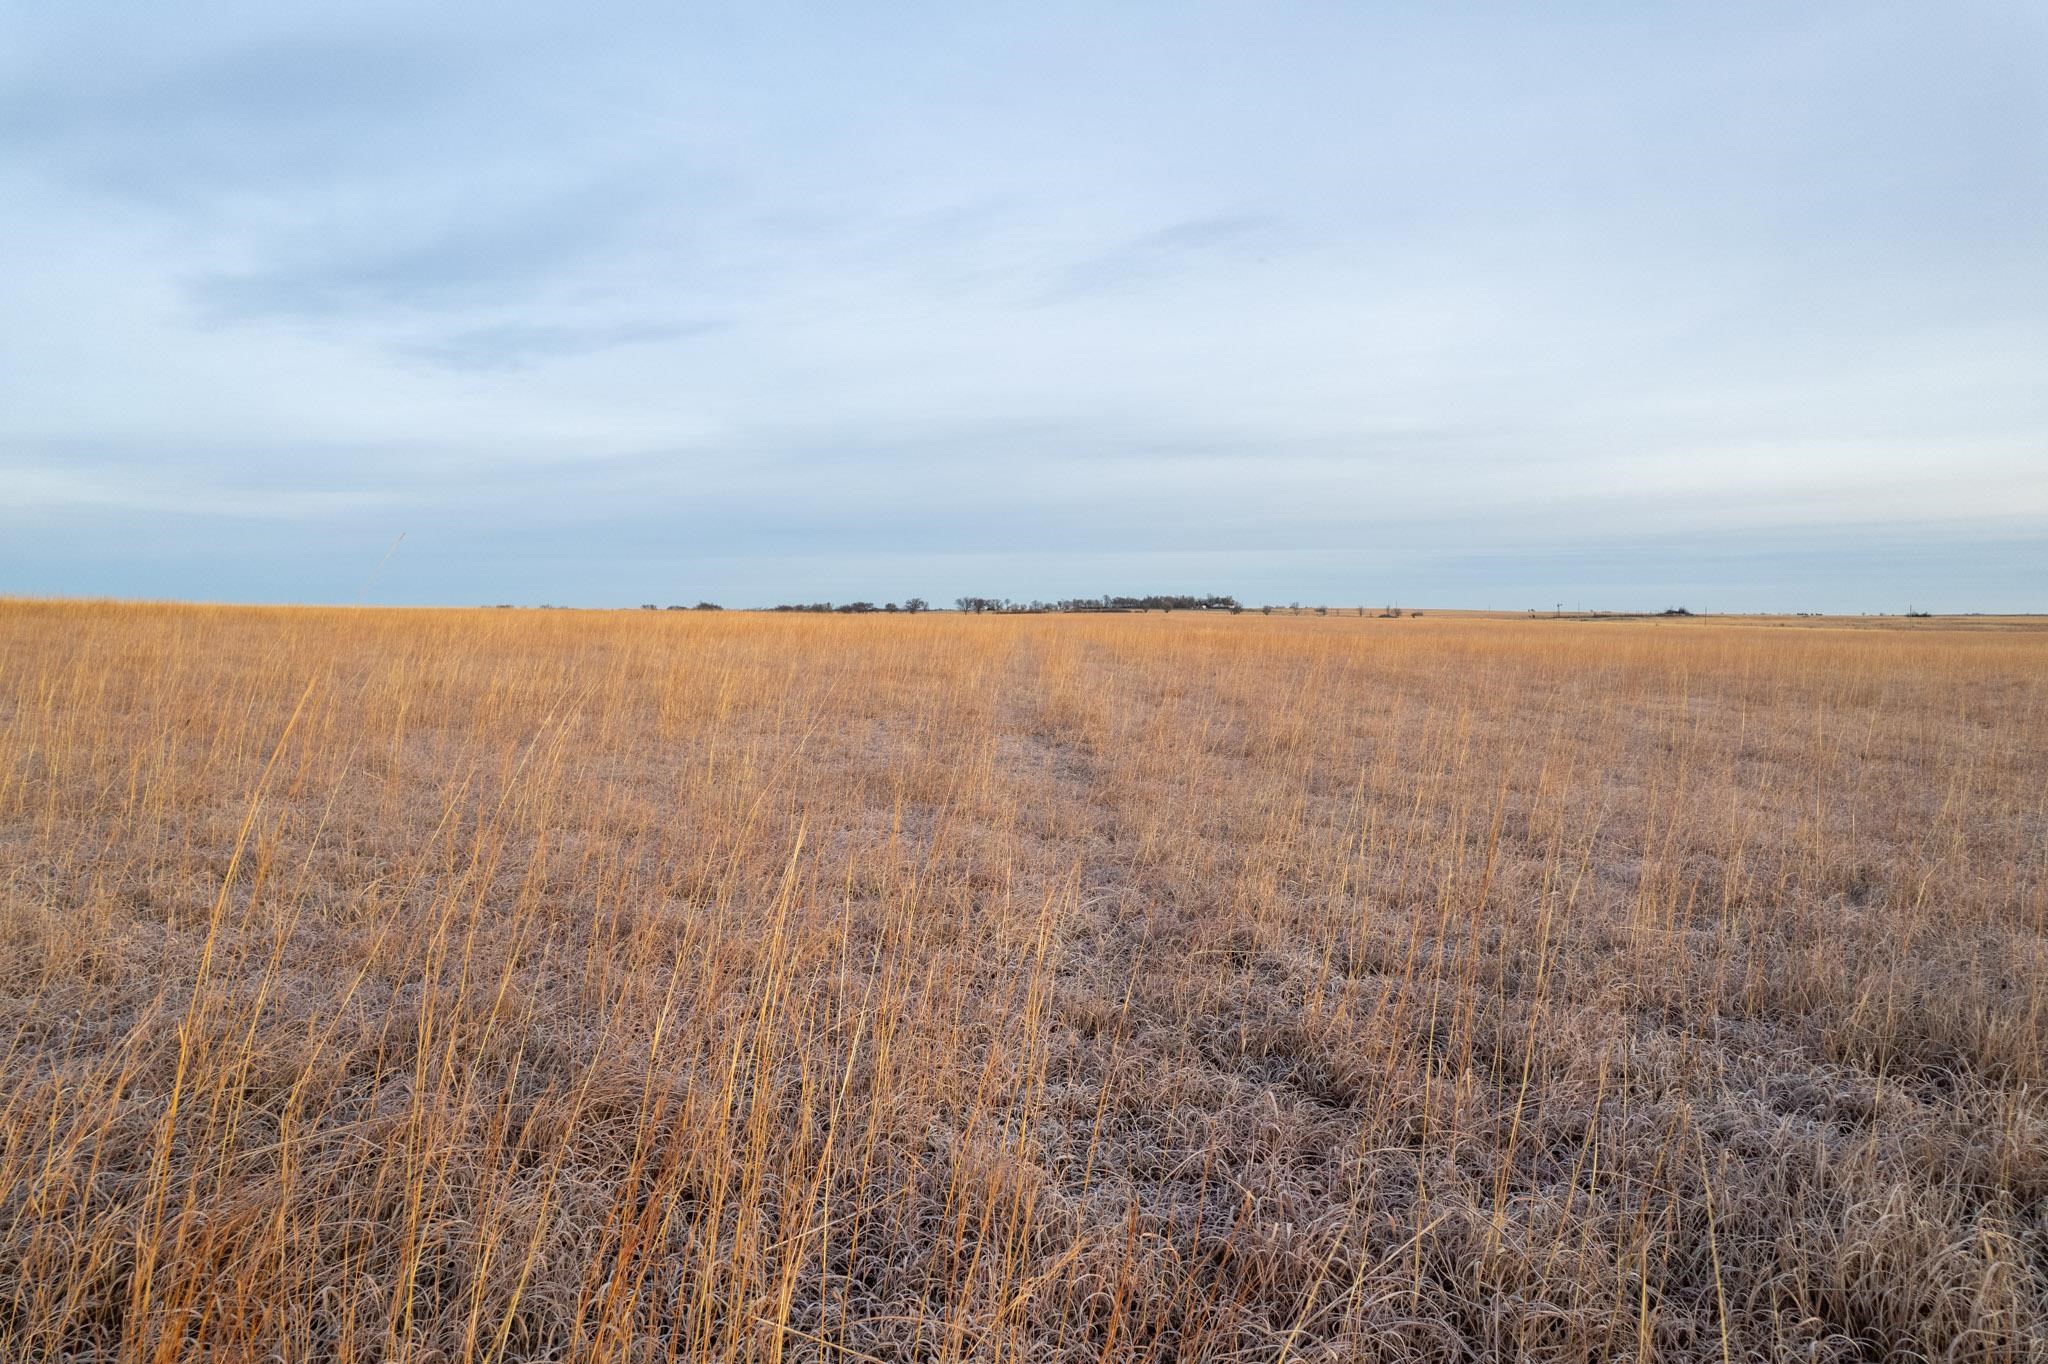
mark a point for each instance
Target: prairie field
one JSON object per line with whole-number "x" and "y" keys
{"x": 545, "y": 985}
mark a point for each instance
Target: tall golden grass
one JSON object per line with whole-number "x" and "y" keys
{"x": 446, "y": 985}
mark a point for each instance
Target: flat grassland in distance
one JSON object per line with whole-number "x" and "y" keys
{"x": 478, "y": 985}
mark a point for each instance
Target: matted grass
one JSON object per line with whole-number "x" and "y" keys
{"x": 542, "y": 985}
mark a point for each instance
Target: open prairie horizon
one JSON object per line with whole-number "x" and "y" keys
{"x": 508, "y": 985}
{"x": 1158, "y": 975}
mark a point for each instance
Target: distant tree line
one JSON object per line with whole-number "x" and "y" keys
{"x": 1156, "y": 602}
{"x": 1160, "y": 601}
{"x": 911, "y": 606}
{"x": 979, "y": 605}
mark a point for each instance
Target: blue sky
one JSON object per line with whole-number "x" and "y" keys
{"x": 1736, "y": 306}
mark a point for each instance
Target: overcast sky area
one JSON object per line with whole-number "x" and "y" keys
{"x": 1728, "y": 306}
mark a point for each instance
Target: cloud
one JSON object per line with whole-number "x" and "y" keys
{"x": 45, "y": 491}
{"x": 515, "y": 346}
{"x": 295, "y": 110}
{"x": 488, "y": 256}
{"x": 1217, "y": 239}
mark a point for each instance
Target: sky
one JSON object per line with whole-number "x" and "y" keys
{"x": 1622, "y": 305}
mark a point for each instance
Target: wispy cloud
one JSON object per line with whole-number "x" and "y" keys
{"x": 252, "y": 119}
{"x": 1233, "y": 239}
{"x": 40, "y": 493}
{"x": 514, "y": 346}
{"x": 505, "y": 254}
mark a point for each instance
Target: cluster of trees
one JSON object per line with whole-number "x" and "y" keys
{"x": 1003, "y": 605}
{"x": 911, "y": 606}
{"x": 1156, "y": 602}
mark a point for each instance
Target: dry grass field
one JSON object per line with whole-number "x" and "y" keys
{"x": 493, "y": 985}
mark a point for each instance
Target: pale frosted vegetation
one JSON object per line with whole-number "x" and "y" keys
{"x": 444, "y": 986}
